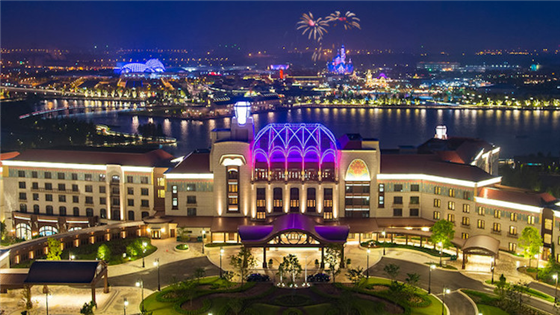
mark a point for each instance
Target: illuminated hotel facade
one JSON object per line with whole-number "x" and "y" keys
{"x": 298, "y": 170}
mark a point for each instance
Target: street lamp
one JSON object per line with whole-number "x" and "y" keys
{"x": 140, "y": 283}
{"x": 445, "y": 291}
{"x": 144, "y": 244}
{"x": 156, "y": 263}
{"x": 492, "y": 269}
{"x": 555, "y": 277}
{"x": 221, "y": 254}
{"x": 440, "y": 244}
{"x": 383, "y": 233}
{"x": 47, "y": 297}
{"x": 432, "y": 267}
{"x": 203, "y": 235}
{"x": 125, "y": 305}
{"x": 367, "y": 265}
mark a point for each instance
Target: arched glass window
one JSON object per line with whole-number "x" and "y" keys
{"x": 103, "y": 213}
{"x": 47, "y": 230}
{"x": 89, "y": 212}
{"x": 23, "y": 208}
{"x": 62, "y": 211}
{"x": 23, "y": 231}
{"x": 49, "y": 210}
{"x": 130, "y": 215}
{"x": 145, "y": 214}
{"x": 36, "y": 209}
{"x": 76, "y": 211}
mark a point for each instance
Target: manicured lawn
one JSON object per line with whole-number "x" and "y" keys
{"x": 433, "y": 308}
{"x": 265, "y": 299}
{"x": 489, "y": 310}
{"x": 532, "y": 292}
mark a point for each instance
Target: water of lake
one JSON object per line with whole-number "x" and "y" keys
{"x": 515, "y": 131}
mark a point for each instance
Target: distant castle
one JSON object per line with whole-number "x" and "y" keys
{"x": 339, "y": 64}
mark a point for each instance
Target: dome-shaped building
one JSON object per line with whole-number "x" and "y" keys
{"x": 294, "y": 152}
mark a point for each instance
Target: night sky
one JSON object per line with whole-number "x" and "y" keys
{"x": 407, "y": 26}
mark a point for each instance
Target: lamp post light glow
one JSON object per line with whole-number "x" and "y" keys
{"x": 555, "y": 277}
{"x": 367, "y": 264}
{"x": 221, "y": 255}
{"x": 383, "y": 233}
{"x": 140, "y": 283}
{"x": 125, "y": 305}
{"x": 432, "y": 267}
{"x": 445, "y": 291}
{"x": 144, "y": 244}
{"x": 156, "y": 263}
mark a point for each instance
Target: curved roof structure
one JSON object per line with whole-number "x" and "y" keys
{"x": 481, "y": 245}
{"x": 295, "y": 143}
{"x": 152, "y": 65}
{"x": 293, "y": 222}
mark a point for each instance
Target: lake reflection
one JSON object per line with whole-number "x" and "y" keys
{"x": 515, "y": 131}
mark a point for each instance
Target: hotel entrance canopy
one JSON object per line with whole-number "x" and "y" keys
{"x": 293, "y": 229}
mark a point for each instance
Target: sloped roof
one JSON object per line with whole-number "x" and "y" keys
{"x": 517, "y": 195}
{"x": 152, "y": 158}
{"x": 196, "y": 162}
{"x": 456, "y": 149}
{"x": 62, "y": 271}
{"x": 430, "y": 164}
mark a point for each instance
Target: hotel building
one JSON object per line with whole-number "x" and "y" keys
{"x": 271, "y": 187}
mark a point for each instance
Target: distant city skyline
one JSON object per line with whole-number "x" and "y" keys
{"x": 404, "y": 26}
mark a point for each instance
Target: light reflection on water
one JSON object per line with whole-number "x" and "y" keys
{"x": 515, "y": 131}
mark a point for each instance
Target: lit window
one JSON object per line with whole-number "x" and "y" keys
{"x": 437, "y": 203}
{"x": 480, "y": 224}
{"x": 513, "y": 217}
{"x": 437, "y": 215}
{"x": 451, "y": 205}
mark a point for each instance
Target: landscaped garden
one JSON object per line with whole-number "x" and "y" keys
{"x": 222, "y": 297}
{"x": 115, "y": 252}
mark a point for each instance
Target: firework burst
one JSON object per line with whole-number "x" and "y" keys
{"x": 314, "y": 27}
{"x": 349, "y": 19}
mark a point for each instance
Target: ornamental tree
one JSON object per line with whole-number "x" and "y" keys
{"x": 531, "y": 242}
{"x": 55, "y": 249}
{"x": 332, "y": 258}
{"x": 243, "y": 262}
{"x": 442, "y": 233}
{"x": 290, "y": 264}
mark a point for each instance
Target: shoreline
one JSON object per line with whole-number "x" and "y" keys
{"x": 341, "y": 106}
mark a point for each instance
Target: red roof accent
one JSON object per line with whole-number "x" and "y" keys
{"x": 430, "y": 164}
{"x": 152, "y": 158}
{"x": 517, "y": 195}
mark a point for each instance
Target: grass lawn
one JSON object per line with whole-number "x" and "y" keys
{"x": 433, "y": 308}
{"x": 489, "y": 310}
{"x": 531, "y": 292}
{"x": 266, "y": 304}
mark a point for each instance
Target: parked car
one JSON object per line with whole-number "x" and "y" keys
{"x": 257, "y": 277}
{"x": 320, "y": 277}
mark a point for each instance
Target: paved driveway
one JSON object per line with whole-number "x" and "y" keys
{"x": 179, "y": 270}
